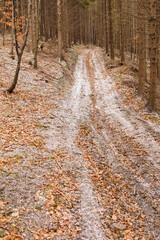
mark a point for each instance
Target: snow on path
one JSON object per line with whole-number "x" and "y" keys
{"x": 76, "y": 109}
{"x": 110, "y": 106}
{"x": 73, "y": 111}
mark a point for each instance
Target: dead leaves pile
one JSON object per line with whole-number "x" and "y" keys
{"x": 19, "y": 130}
{"x": 59, "y": 192}
{"x": 122, "y": 217}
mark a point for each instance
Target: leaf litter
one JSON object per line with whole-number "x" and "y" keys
{"x": 69, "y": 168}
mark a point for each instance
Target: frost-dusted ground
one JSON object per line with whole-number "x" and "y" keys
{"x": 80, "y": 160}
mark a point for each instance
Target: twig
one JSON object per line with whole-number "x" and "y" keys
{"x": 6, "y": 229}
{"x": 58, "y": 163}
{"x": 55, "y": 158}
{"x": 64, "y": 195}
{"x": 47, "y": 74}
{"x": 57, "y": 117}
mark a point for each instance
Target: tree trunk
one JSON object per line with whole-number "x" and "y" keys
{"x": 14, "y": 83}
{"x": 158, "y": 39}
{"x": 106, "y": 28}
{"x": 152, "y": 52}
{"x": 37, "y": 32}
{"x": 12, "y": 33}
{"x": 122, "y": 42}
{"x": 4, "y": 26}
{"x": 158, "y": 54}
{"x": 59, "y": 27}
{"x": 19, "y": 54}
{"x": 110, "y": 28}
{"x": 141, "y": 47}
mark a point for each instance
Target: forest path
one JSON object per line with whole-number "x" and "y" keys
{"x": 75, "y": 111}
{"x": 77, "y": 161}
{"x": 102, "y": 135}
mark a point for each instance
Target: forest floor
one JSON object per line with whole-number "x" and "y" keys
{"x": 79, "y": 156}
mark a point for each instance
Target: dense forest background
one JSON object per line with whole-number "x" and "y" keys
{"x": 128, "y": 30}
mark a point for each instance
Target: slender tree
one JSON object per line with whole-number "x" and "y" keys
{"x": 37, "y": 32}
{"x": 122, "y": 42}
{"x": 59, "y": 27}
{"x": 12, "y": 33}
{"x": 158, "y": 38}
{"x": 19, "y": 52}
{"x": 153, "y": 54}
{"x": 141, "y": 46}
{"x": 111, "y": 40}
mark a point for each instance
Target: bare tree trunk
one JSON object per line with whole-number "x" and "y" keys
{"x": 4, "y": 26}
{"x": 12, "y": 32}
{"x": 106, "y": 28}
{"x": 158, "y": 38}
{"x": 153, "y": 52}
{"x": 59, "y": 26}
{"x": 37, "y": 32}
{"x": 65, "y": 25}
{"x": 122, "y": 42}
{"x": 141, "y": 47}
{"x": 14, "y": 83}
{"x": 158, "y": 54}
{"x": 19, "y": 53}
{"x": 110, "y": 28}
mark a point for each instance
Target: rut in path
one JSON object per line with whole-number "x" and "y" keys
{"x": 76, "y": 109}
{"x": 108, "y": 169}
{"x": 92, "y": 101}
{"x": 121, "y": 129}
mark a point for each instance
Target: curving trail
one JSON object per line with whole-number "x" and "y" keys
{"x": 118, "y": 140}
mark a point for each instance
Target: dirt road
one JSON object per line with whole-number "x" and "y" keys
{"x": 113, "y": 136}
{"x": 81, "y": 163}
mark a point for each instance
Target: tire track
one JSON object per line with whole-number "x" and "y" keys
{"x": 125, "y": 143}
{"x": 75, "y": 110}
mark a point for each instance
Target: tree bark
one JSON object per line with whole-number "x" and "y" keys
{"x": 37, "y": 32}
{"x": 19, "y": 53}
{"x": 122, "y": 42}
{"x": 14, "y": 83}
{"x": 152, "y": 52}
{"x": 158, "y": 54}
{"x": 106, "y": 28}
{"x": 110, "y": 28}
{"x": 4, "y": 26}
{"x": 12, "y": 32}
{"x": 158, "y": 38}
{"x": 59, "y": 27}
{"x": 141, "y": 47}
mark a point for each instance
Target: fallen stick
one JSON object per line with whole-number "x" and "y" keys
{"x": 57, "y": 117}
{"x": 64, "y": 195}
{"x": 55, "y": 158}
{"x": 48, "y": 75}
{"x": 58, "y": 164}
